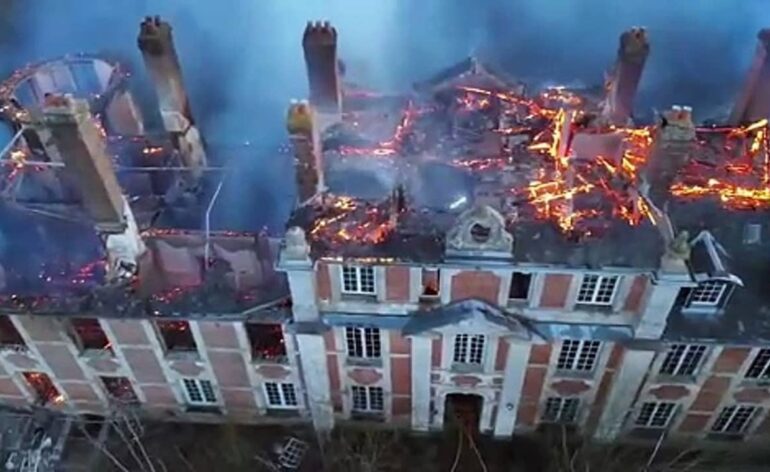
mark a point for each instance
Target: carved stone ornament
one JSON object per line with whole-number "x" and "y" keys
{"x": 480, "y": 228}
{"x": 296, "y": 244}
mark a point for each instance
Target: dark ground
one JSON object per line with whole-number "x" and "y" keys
{"x": 361, "y": 448}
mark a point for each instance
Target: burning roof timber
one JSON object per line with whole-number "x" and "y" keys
{"x": 573, "y": 179}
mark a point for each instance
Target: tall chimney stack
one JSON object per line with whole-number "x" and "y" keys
{"x": 302, "y": 126}
{"x": 753, "y": 103}
{"x": 81, "y": 146}
{"x": 674, "y": 140}
{"x": 160, "y": 58}
{"x": 319, "y": 43}
{"x": 624, "y": 79}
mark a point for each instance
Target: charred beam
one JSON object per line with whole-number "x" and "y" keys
{"x": 624, "y": 79}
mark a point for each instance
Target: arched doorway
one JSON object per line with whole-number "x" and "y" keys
{"x": 464, "y": 409}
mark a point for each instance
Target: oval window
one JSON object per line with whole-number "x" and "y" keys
{"x": 480, "y": 233}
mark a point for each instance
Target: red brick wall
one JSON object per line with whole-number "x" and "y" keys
{"x": 731, "y": 360}
{"x": 476, "y": 284}
{"x": 401, "y": 375}
{"x": 534, "y": 378}
{"x": 323, "y": 281}
{"x": 238, "y": 399}
{"x": 229, "y": 369}
{"x": 144, "y": 365}
{"x": 402, "y": 406}
{"x": 399, "y": 344}
{"x": 634, "y": 298}
{"x": 710, "y": 394}
{"x": 600, "y": 400}
{"x": 79, "y": 391}
{"x": 397, "y": 284}
{"x": 694, "y": 423}
{"x": 540, "y": 354}
{"x": 62, "y": 362}
{"x": 219, "y": 334}
{"x": 329, "y": 340}
{"x": 502, "y": 354}
{"x": 334, "y": 376}
{"x": 435, "y": 353}
{"x": 9, "y": 389}
{"x": 129, "y": 332}
{"x": 158, "y": 395}
{"x": 555, "y": 290}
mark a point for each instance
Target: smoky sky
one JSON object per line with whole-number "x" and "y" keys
{"x": 242, "y": 59}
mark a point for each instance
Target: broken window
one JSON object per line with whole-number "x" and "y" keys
{"x": 177, "y": 336}
{"x": 578, "y": 355}
{"x": 367, "y": 399}
{"x": 363, "y": 343}
{"x": 597, "y": 289}
{"x": 707, "y": 294}
{"x": 199, "y": 392}
{"x": 280, "y": 395}
{"x": 431, "y": 283}
{"x": 683, "y": 359}
{"x": 733, "y": 419}
{"x": 267, "y": 342}
{"x": 89, "y": 335}
{"x": 655, "y": 414}
{"x": 9, "y": 335}
{"x": 469, "y": 349}
{"x": 560, "y": 410}
{"x": 480, "y": 233}
{"x": 519, "y": 288}
{"x": 120, "y": 388}
{"x": 760, "y": 366}
{"x": 358, "y": 280}
{"x": 43, "y": 387}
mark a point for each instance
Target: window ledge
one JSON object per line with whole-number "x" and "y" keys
{"x": 97, "y": 354}
{"x": 206, "y": 409}
{"x": 598, "y": 309}
{"x": 467, "y": 368}
{"x": 676, "y": 379}
{"x": 283, "y": 360}
{"x": 374, "y": 416}
{"x": 575, "y": 374}
{"x": 14, "y": 348}
{"x": 180, "y": 355}
{"x": 277, "y": 412}
{"x": 359, "y": 297}
{"x": 364, "y": 361}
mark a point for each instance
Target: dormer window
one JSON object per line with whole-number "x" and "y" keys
{"x": 707, "y": 294}
{"x": 480, "y": 233}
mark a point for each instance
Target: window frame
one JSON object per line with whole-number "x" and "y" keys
{"x": 161, "y": 335}
{"x": 368, "y": 393}
{"x": 530, "y": 276}
{"x": 119, "y": 378}
{"x": 281, "y": 393}
{"x": 15, "y": 339}
{"x": 249, "y": 327}
{"x": 716, "y": 303}
{"x": 670, "y": 409}
{"x": 678, "y": 365}
{"x": 731, "y": 416}
{"x": 358, "y": 337}
{"x": 763, "y": 374}
{"x": 79, "y": 340}
{"x": 465, "y": 356}
{"x": 358, "y": 279}
{"x": 204, "y": 387}
{"x": 587, "y": 351}
{"x": 566, "y": 406}
{"x": 593, "y": 300}
{"x": 437, "y": 272}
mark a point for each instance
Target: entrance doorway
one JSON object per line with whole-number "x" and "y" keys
{"x": 463, "y": 409}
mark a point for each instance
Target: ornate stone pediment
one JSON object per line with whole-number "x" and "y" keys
{"x": 480, "y": 229}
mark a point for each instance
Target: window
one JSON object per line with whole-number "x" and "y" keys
{"x": 578, "y": 355}
{"x": 708, "y": 293}
{"x": 760, "y": 367}
{"x": 682, "y": 359}
{"x": 560, "y": 410}
{"x": 752, "y": 233}
{"x": 363, "y": 343}
{"x": 733, "y": 419}
{"x": 280, "y": 395}
{"x": 597, "y": 289}
{"x": 199, "y": 392}
{"x": 431, "y": 283}
{"x": 266, "y": 341}
{"x": 469, "y": 349}
{"x": 89, "y": 334}
{"x": 43, "y": 388}
{"x": 176, "y": 335}
{"x": 358, "y": 280}
{"x": 655, "y": 414}
{"x": 120, "y": 388}
{"x": 9, "y": 335}
{"x": 367, "y": 399}
{"x": 519, "y": 288}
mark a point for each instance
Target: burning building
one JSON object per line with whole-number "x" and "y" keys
{"x": 534, "y": 257}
